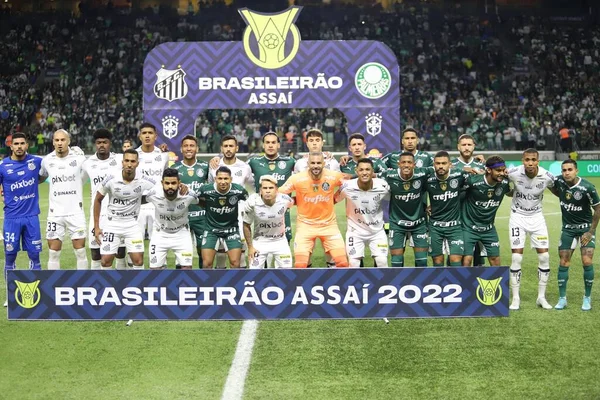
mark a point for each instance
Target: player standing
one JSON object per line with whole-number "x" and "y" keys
{"x": 19, "y": 178}
{"x": 316, "y": 215}
{"x": 315, "y": 142}
{"x": 194, "y": 174}
{"x": 171, "y": 230}
{"x": 407, "y": 214}
{"x": 364, "y": 197}
{"x": 97, "y": 168}
{"x": 125, "y": 192}
{"x": 221, "y": 200}
{"x": 357, "y": 147}
{"x": 483, "y": 196}
{"x": 65, "y": 212}
{"x": 410, "y": 140}
{"x": 577, "y": 197}
{"x": 265, "y": 211}
{"x": 526, "y": 218}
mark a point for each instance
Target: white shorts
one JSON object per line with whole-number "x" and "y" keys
{"x": 519, "y": 226}
{"x": 56, "y": 227}
{"x": 181, "y": 244}
{"x": 91, "y": 235}
{"x": 116, "y": 232}
{"x": 355, "y": 244}
{"x": 146, "y": 219}
{"x": 278, "y": 248}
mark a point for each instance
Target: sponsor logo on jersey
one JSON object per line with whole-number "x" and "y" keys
{"x": 63, "y": 178}
{"x": 22, "y": 184}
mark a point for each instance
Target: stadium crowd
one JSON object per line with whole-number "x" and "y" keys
{"x": 510, "y": 81}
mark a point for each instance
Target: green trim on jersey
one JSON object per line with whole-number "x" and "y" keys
{"x": 222, "y": 208}
{"x": 422, "y": 159}
{"x": 444, "y": 198}
{"x": 194, "y": 177}
{"x": 576, "y": 203}
{"x": 350, "y": 167}
{"x": 406, "y": 197}
{"x": 482, "y": 202}
{"x": 281, "y": 168}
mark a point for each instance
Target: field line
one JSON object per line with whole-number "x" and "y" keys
{"x": 234, "y": 385}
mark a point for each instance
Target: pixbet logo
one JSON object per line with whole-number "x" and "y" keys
{"x": 63, "y": 178}
{"x": 22, "y": 184}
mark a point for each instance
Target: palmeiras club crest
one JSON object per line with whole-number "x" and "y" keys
{"x": 373, "y": 124}
{"x": 170, "y": 84}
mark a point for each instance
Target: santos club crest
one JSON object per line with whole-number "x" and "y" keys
{"x": 170, "y": 84}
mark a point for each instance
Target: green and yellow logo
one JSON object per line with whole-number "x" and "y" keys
{"x": 373, "y": 80}
{"x": 271, "y": 31}
{"x": 489, "y": 292}
{"x": 27, "y": 295}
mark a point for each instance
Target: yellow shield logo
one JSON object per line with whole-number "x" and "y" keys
{"x": 271, "y": 34}
{"x": 190, "y": 172}
{"x": 272, "y": 166}
{"x": 568, "y": 196}
{"x": 489, "y": 292}
{"x": 443, "y": 186}
{"x": 222, "y": 201}
{"x": 406, "y": 185}
{"x": 27, "y": 295}
{"x": 490, "y": 194}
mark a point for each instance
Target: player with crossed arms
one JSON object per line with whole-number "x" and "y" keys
{"x": 364, "y": 209}
{"x": 266, "y": 213}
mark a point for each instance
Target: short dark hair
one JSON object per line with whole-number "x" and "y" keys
{"x": 314, "y": 132}
{"x": 224, "y": 169}
{"x": 102, "y": 133}
{"x": 442, "y": 153}
{"x": 19, "y": 135}
{"x": 148, "y": 125}
{"x": 170, "y": 173}
{"x": 131, "y": 151}
{"x": 228, "y": 137}
{"x": 189, "y": 137}
{"x": 365, "y": 160}
{"x": 493, "y": 160}
{"x": 531, "y": 151}
{"x": 270, "y": 133}
{"x": 409, "y": 130}
{"x": 567, "y": 161}
{"x": 127, "y": 141}
{"x": 406, "y": 154}
{"x": 356, "y": 136}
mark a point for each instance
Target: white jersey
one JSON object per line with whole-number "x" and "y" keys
{"x": 152, "y": 164}
{"x": 170, "y": 216}
{"x": 66, "y": 183}
{"x": 364, "y": 207}
{"x": 529, "y": 193}
{"x": 268, "y": 221}
{"x": 125, "y": 198}
{"x": 330, "y": 163}
{"x": 97, "y": 170}
{"x": 240, "y": 173}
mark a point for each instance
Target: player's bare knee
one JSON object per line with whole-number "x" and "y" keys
{"x": 494, "y": 261}
{"x": 96, "y": 254}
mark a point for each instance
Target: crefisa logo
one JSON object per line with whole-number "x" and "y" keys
{"x": 271, "y": 40}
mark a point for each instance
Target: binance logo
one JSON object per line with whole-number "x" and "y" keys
{"x": 271, "y": 41}
{"x": 489, "y": 292}
{"x": 27, "y": 295}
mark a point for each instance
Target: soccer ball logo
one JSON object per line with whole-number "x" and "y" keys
{"x": 270, "y": 41}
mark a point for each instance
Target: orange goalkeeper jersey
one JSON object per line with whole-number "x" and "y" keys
{"x": 314, "y": 198}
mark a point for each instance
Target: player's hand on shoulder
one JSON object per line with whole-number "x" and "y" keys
{"x": 183, "y": 189}
{"x": 480, "y": 158}
{"x": 214, "y": 163}
{"x": 344, "y": 160}
{"x": 163, "y": 147}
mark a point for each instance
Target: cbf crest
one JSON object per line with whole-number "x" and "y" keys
{"x": 170, "y": 125}
{"x": 373, "y": 124}
{"x": 170, "y": 84}
{"x": 271, "y": 40}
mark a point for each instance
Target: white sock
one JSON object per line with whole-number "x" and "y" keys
{"x": 543, "y": 273}
{"x": 515, "y": 274}
{"x": 82, "y": 262}
{"x": 96, "y": 264}
{"x": 381, "y": 261}
{"x": 121, "y": 264}
{"x": 53, "y": 259}
{"x": 354, "y": 262}
{"x": 138, "y": 267}
{"x": 106, "y": 268}
{"x": 270, "y": 260}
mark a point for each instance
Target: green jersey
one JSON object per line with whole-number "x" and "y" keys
{"x": 576, "y": 202}
{"x": 481, "y": 202}
{"x": 422, "y": 159}
{"x": 222, "y": 208}
{"x": 474, "y": 163}
{"x": 406, "y": 197}
{"x": 444, "y": 198}
{"x": 378, "y": 165}
{"x": 281, "y": 168}
{"x": 194, "y": 177}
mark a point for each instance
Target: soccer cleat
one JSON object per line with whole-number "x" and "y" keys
{"x": 587, "y": 303}
{"x": 562, "y": 303}
{"x": 542, "y": 302}
{"x": 515, "y": 305}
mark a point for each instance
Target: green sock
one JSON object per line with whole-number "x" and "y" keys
{"x": 563, "y": 277}
{"x": 588, "y": 279}
{"x": 456, "y": 264}
{"x": 420, "y": 258}
{"x": 397, "y": 261}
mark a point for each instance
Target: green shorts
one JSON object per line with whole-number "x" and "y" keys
{"x": 489, "y": 239}
{"x": 197, "y": 228}
{"x": 416, "y": 235}
{"x": 231, "y": 240}
{"x": 450, "y": 236}
{"x": 570, "y": 238}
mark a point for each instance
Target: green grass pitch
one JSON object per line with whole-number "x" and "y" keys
{"x": 532, "y": 354}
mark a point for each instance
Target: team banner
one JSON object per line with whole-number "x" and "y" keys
{"x": 258, "y": 294}
{"x": 273, "y": 68}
